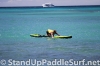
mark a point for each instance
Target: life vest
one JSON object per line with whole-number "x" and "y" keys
{"x": 50, "y": 30}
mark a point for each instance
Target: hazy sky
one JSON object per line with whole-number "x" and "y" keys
{"x": 40, "y": 2}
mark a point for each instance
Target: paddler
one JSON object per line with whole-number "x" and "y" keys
{"x": 51, "y": 33}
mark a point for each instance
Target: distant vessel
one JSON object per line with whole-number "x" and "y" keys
{"x": 48, "y": 5}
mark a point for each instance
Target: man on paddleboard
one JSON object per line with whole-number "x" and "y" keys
{"x": 51, "y": 33}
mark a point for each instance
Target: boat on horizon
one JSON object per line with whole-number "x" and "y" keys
{"x": 48, "y": 5}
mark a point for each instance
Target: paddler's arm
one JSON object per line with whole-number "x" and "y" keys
{"x": 56, "y": 33}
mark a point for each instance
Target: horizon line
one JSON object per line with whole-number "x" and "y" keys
{"x": 55, "y": 6}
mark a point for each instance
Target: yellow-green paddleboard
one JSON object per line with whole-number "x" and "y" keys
{"x": 38, "y": 35}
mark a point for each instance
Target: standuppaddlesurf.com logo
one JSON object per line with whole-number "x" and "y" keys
{"x": 42, "y": 62}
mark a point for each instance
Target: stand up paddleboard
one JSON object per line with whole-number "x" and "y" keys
{"x": 39, "y": 36}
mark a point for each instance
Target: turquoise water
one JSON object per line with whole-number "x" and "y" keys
{"x": 16, "y": 25}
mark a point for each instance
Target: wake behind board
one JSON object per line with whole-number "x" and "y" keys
{"x": 39, "y": 36}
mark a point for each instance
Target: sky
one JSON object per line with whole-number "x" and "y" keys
{"x": 4, "y": 3}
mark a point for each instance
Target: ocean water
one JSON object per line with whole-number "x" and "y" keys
{"x": 83, "y": 23}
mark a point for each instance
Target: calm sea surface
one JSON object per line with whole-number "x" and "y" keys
{"x": 83, "y": 23}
